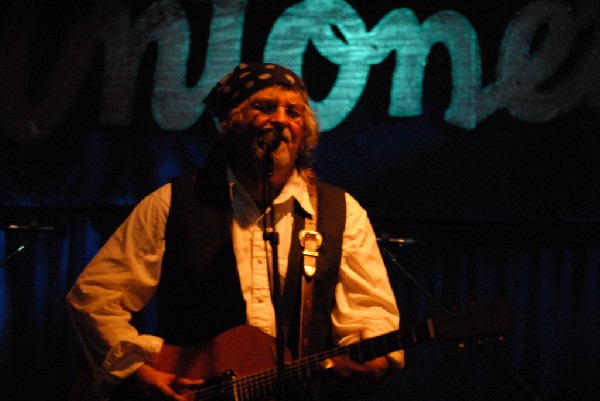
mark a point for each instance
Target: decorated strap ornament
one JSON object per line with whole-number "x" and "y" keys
{"x": 311, "y": 241}
{"x": 310, "y": 238}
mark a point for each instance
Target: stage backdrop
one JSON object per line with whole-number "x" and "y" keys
{"x": 470, "y": 127}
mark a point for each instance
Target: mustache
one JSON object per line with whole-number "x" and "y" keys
{"x": 271, "y": 137}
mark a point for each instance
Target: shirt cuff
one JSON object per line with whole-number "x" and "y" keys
{"x": 128, "y": 355}
{"x": 395, "y": 358}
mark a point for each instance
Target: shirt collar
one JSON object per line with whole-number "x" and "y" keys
{"x": 295, "y": 187}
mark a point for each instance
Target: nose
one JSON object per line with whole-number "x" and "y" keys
{"x": 280, "y": 116}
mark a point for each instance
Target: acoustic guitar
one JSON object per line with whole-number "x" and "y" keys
{"x": 240, "y": 363}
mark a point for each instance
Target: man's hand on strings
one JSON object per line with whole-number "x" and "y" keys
{"x": 351, "y": 379}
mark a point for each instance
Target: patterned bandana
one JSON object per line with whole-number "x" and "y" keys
{"x": 244, "y": 81}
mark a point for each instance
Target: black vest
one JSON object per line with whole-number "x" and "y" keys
{"x": 199, "y": 294}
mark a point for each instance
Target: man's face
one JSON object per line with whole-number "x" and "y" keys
{"x": 273, "y": 107}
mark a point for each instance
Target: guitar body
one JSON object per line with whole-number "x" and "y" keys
{"x": 243, "y": 349}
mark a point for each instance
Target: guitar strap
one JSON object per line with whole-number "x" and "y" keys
{"x": 310, "y": 240}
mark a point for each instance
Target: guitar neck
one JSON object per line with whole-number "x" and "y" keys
{"x": 310, "y": 367}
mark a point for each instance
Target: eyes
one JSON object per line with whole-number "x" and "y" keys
{"x": 269, "y": 107}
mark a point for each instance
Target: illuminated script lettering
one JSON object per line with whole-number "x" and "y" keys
{"x": 523, "y": 70}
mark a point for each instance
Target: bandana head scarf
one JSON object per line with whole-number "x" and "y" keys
{"x": 245, "y": 80}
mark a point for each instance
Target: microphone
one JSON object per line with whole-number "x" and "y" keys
{"x": 386, "y": 239}
{"x": 269, "y": 138}
{"x": 35, "y": 228}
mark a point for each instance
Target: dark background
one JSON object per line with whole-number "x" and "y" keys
{"x": 509, "y": 209}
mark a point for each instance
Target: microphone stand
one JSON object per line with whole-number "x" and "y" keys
{"x": 270, "y": 235}
{"x": 33, "y": 229}
{"x": 516, "y": 381}
{"x": 19, "y": 249}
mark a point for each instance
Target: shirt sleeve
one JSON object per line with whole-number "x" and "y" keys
{"x": 119, "y": 280}
{"x": 365, "y": 303}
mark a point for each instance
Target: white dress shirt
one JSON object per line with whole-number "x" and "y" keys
{"x": 124, "y": 275}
